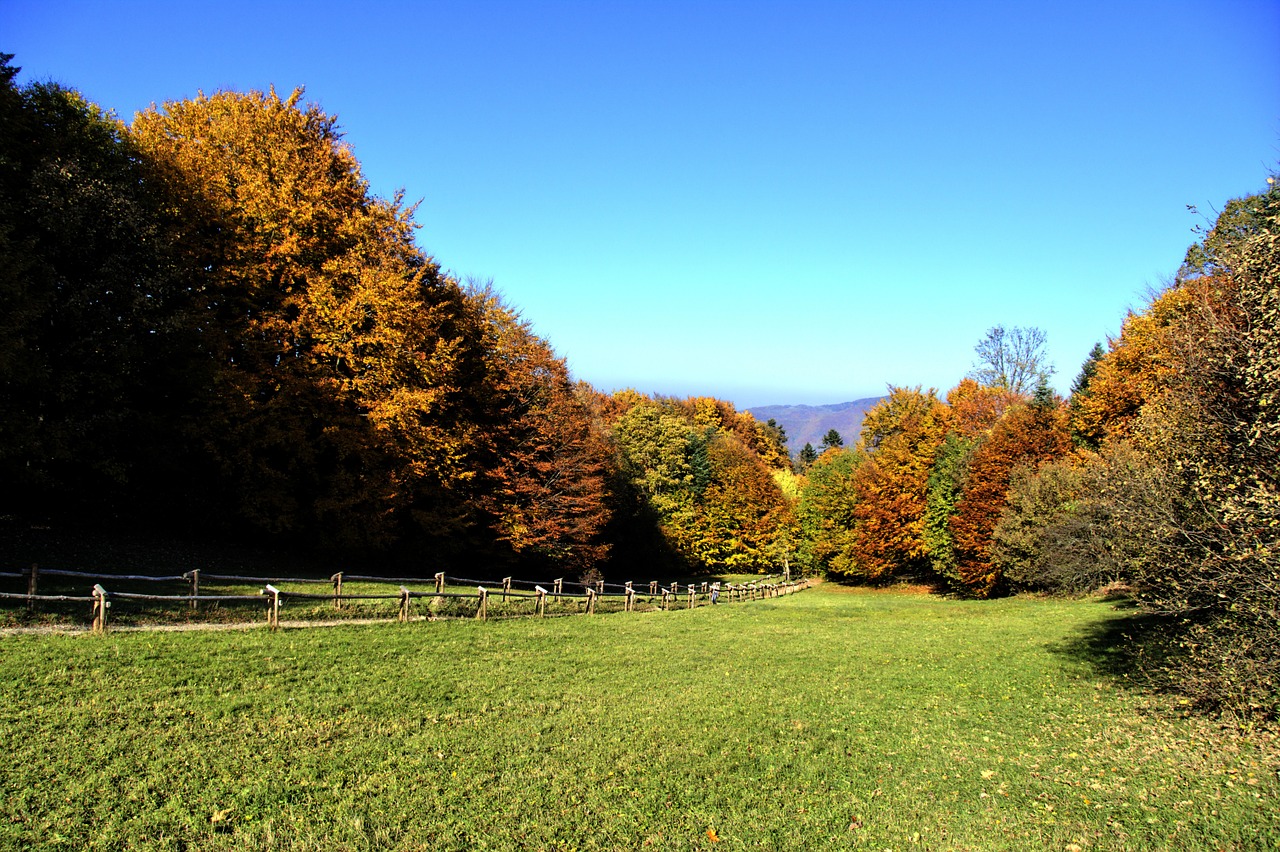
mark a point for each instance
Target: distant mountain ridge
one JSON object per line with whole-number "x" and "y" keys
{"x": 807, "y": 424}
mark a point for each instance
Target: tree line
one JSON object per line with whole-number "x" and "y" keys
{"x": 1159, "y": 475}
{"x": 210, "y": 324}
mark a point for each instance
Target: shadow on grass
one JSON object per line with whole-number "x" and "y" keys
{"x": 1130, "y": 646}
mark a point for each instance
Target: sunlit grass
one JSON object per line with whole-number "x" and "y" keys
{"x": 835, "y": 717}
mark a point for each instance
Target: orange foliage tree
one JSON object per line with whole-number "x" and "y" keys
{"x": 338, "y": 357}
{"x": 900, "y": 437}
{"x": 544, "y": 462}
{"x": 1025, "y": 436}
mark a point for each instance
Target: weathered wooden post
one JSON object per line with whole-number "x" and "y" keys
{"x": 666, "y": 599}
{"x": 631, "y": 599}
{"x": 591, "y": 601}
{"x": 675, "y": 588}
{"x": 336, "y": 579}
{"x": 557, "y": 588}
{"x": 273, "y": 607}
{"x": 506, "y": 588}
{"x": 482, "y": 610}
{"x": 404, "y": 604}
{"x": 100, "y": 604}
{"x": 193, "y": 576}
{"x": 440, "y": 583}
{"x": 693, "y": 596}
{"x": 33, "y": 586}
{"x": 541, "y": 605}
{"x": 599, "y": 587}
{"x": 653, "y": 588}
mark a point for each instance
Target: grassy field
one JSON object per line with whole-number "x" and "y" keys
{"x": 833, "y": 718}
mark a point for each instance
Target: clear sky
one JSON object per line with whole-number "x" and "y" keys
{"x": 769, "y": 202}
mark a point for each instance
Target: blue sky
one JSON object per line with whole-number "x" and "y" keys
{"x": 767, "y": 202}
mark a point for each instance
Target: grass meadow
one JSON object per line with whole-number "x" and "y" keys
{"x": 835, "y": 718}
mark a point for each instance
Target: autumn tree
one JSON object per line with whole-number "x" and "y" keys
{"x": 543, "y": 463}
{"x": 1216, "y": 431}
{"x": 713, "y": 496}
{"x": 900, "y": 437}
{"x": 825, "y": 513}
{"x": 1137, "y": 367}
{"x": 339, "y": 356}
{"x": 1027, "y": 435}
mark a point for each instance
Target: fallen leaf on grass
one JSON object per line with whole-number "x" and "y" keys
{"x": 712, "y": 836}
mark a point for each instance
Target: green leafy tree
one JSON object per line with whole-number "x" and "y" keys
{"x": 825, "y": 513}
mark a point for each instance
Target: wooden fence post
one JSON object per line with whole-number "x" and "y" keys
{"x": 440, "y": 583}
{"x": 195, "y": 587}
{"x": 273, "y": 607}
{"x": 33, "y": 586}
{"x": 482, "y": 609}
{"x": 693, "y": 596}
{"x": 506, "y": 588}
{"x": 591, "y": 601}
{"x": 100, "y": 604}
{"x": 336, "y": 579}
{"x": 541, "y": 606}
{"x": 631, "y": 599}
{"x": 666, "y": 598}
{"x": 653, "y": 588}
{"x": 557, "y": 588}
{"x": 704, "y": 587}
{"x": 404, "y": 604}
{"x": 600, "y": 587}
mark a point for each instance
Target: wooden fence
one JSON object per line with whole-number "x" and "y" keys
{"x": 445, "y": 596}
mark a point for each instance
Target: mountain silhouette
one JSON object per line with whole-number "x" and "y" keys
{"x": 807, "y": 424}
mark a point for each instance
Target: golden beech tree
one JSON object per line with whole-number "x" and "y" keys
{"x": 338, "y": 355}
{"x": 1026, "y": 436}
{"x": 1138, "y": 366}
{"x": 900, "y": 437}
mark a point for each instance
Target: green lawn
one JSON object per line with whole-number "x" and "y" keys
{"x": 832, "y": 718}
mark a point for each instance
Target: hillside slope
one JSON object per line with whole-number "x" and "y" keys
{"x": 806, "y": 424}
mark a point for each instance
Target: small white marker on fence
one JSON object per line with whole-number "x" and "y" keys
{"x": 273, "y": 607}
{"x": 100, "y": 604}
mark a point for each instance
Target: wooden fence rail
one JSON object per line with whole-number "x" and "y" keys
{"x": 590, "y": 598}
